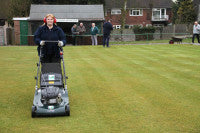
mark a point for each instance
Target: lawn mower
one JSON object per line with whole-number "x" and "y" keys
{"x": 51, "y": 97}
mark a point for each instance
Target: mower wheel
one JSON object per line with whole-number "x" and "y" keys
{"x": 67, "y": 110}
{"x": 33, "y": 114}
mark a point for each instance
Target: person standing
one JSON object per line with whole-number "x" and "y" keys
{"x": 107, "y": 27}
{"x": 81, "y": 29}
{"x": 49, "y": 37}
{"x": 94, "y": 32}
{"x": 74, "y": 34}
{"x": 196, "y": 31}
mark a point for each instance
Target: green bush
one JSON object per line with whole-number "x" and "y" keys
{"x": 144, "y": 33}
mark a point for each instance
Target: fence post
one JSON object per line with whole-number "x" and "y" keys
{"x": 147, "y": 37}
{"x": 174, "y": 30}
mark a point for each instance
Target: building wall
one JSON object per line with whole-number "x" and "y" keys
{"x": 115, "y": 18}
{"x": 17, "y": 31}
{"x": 139, "y": 20}
{"x": 169, "y": 12}
{"x": 1, "y": 35}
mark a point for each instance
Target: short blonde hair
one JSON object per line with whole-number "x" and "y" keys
{"x": 50, "y": 15}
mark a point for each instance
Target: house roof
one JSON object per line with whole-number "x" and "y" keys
{"x": 109, "y": 4}
{"x": 80, "y": 12}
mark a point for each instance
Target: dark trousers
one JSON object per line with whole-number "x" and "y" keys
{"x": 197, "y": 35}
{"x": 80, "y": 40}
{"x": 74, "y": 40}
{"x": 106, "y": 39}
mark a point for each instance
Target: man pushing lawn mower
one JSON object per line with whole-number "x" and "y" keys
{"x": 51, "y": 97}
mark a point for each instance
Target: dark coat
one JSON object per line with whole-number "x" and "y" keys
{"x": 74, "y": 31}
{"x": 107, "y": 27}
{"x": 43, "y": 33}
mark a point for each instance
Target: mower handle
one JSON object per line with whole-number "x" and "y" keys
{"x": 50, "y": 41}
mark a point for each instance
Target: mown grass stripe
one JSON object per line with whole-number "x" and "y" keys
{"x": 116, "y": 89}
{"x": 126, "y": 88}
{"x": 115, "y": 55}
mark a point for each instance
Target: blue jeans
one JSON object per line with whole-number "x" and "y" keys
{"x": 106, "y": 40}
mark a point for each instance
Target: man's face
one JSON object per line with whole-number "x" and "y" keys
{"x": 195, "y": 23}
{"x": 81, "y": 24}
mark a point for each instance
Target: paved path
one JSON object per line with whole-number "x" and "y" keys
{"x": 156, "y": 44}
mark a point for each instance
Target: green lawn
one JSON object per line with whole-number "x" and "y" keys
{"x": 131, "y": 88}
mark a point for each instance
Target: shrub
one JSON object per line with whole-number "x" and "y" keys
{"x": 144, "y": 33}
{"x": 126, "y": 26}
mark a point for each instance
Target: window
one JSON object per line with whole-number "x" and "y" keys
{"x": 117, "y": 26}
{"x": 136, "y": 12}
{"x": 159, "y": 14}
{"x": 115, "y": 11}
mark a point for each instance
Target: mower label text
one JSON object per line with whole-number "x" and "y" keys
{"x": 51, "y": 77}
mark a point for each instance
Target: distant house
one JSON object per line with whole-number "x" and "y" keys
{"x": 139, "y": 12}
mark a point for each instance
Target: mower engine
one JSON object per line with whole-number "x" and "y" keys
{"x": 50, "y": 96}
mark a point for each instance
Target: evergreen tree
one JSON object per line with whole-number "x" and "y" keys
{"x": 123, "y": 15}
{"x": 19, "y": 8}
{"x": 183, "y": 12}
{"x": 186, "y": 12}
{"x": 4, "y": 6}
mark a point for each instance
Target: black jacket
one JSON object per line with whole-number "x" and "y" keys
{"x": 107, "y": 27}
{"x": 43, "y": 33}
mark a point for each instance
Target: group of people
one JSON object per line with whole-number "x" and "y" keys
{"x": 50, "y": 38}
{"x": 196, "y": 31}
{"x": 78, "y": 31}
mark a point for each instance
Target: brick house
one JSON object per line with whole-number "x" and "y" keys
{"x": 139, "y": 12}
